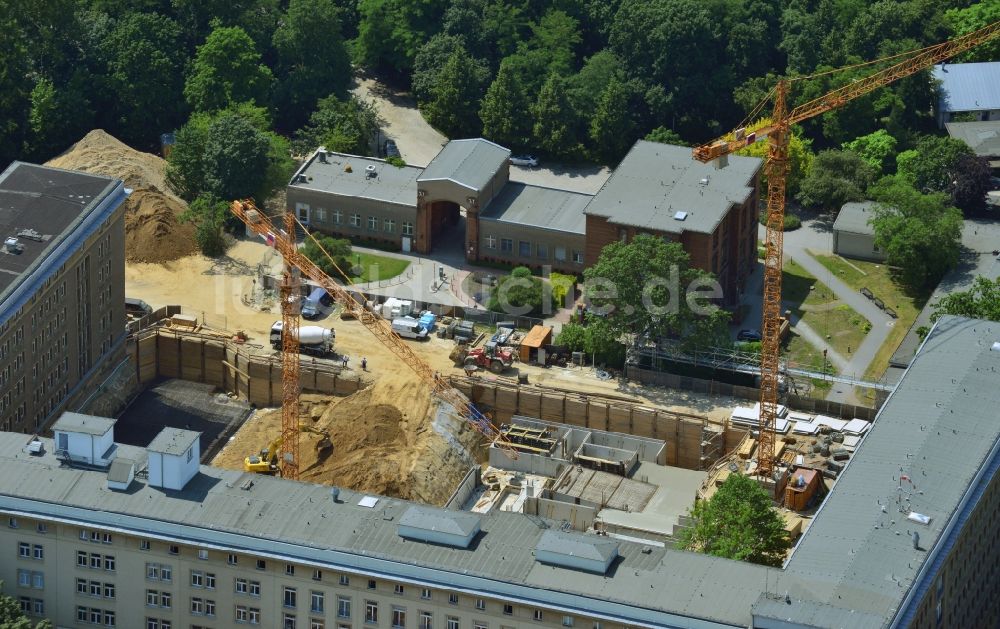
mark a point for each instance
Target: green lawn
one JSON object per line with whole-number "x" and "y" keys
{"x": 376, "y": 267}
{"x": 799, "y": 287}
{"x": 879, "y": 279}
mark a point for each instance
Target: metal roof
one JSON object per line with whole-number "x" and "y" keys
{"x": 657, "y": 181}
{"x": 470, "y": 163}
{"x": 174, "y": 441}
{"x": 433, "y": 519}
{"x": 968, "y": 86}
{"x": 853, "y": 218}
{"x": 85, "y": 424}
{"x": 51, "y": 212}
{"x": 537, "y": 206}
{"x": 348, "y": 175}
{"x": 982, "y": 137}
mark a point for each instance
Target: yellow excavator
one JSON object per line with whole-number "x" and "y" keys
{"x": 266, "y": 462}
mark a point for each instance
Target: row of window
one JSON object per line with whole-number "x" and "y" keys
{"x": 32, "y": 606}
{"x": 31, "y": 579}
{"x": 95, "y": 561}
{"x": 41, "y": 527}
{"x": 524, "y": 249}
{"x": 355, "y": 220}
{"x": 30, "y": 551}
{"x": 95, "y": 589}
{"x": 95, "y": 616}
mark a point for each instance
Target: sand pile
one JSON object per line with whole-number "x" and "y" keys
{"x": 380, "y": 445}
{"x": 152, "y": 231}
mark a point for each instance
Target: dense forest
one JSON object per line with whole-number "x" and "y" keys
{"x": 575, "y": 80}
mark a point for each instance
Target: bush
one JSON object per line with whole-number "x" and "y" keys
{"x": 573, "y": 336}
{"x": 338, "y": 248}
{"x": 791, "y": 223}
{"x": 398, "y": 162}
{"x": 562, "y": 285}
{"x": 520, "y": 294}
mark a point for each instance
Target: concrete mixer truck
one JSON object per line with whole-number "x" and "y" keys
{"x": 313, "y": 339}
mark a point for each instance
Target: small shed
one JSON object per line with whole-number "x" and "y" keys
{"x": 853, "y": 237}
{"x": 536, "y": 338}
{"x": 802, "y": 486}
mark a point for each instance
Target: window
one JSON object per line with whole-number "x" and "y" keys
{"x": 24, "y": 578}
{"x": 316, "y": 602}
{"x": 241, "y": 613}
{"x": 289, "y": 599}
{"x": 24, "y": 550}
{"x": 95, "y": 561}
{"x": 166, "y": 573}
{"x": 81, "y": 586}
{"x": 491, "y": 242}
{"x": 255, "y": 588}
{"x": 480, "y": 604}
{"x": 209, "y": 607}
{"x": 319, "y": 214}
{"x": 95, "y": 588}
{"x": 197, "y": 606}
{"x": 452, "y": 622}
{"x": 153, "y": 571}
{"x": 12, "y": 523}
{"x": 398, "y": 617}
{"x": 166, "y": 599}
{"x": 371, "y": 611}
{"x": 337, "y": 215}
{"x": 506, "y": 245}
{"x": 426, "y": 621}
{"x": 232, "y": 559}
{"x": 345, "y": 580}
{"x": 38, "y": 580}
{"x": 453, "y": 599}
{"x": 508, "y": 609}
{"x": 81, "y": 614}
{"x": 152, "y": 598}
{"x": 289, "y": 569}
{"x": 202, "y": 554}
{"x": 479, "y": 625}
{"x": 289, "y": 622}
{"x": 109, "y": 590}
{"x": 389, "y": 226}
{"x": 317, "y": 575}
{"x": 355, "y": 220}
{"x": 316, "y": 623}
{"x": 538, "y": 615}
{"x": 343, "y": 607}
{"x": 81, "y": 559}
{"x": 42, "y": 528}
{"x": 524, "y": 248}
{"x": 174, "y": 549}
{"x": 425, "y": 593}
{"x": 577, "y": 257}
{"x": 197, "y": 579}
{"x": 261, "y": 564}
{"x": 559, "y": 253}
{"x": 241, "y": 586}
{"x": 96, "y": 615}
{"x": 567, "y": 621}
{"x": 371, "y": 584}
{"x": 210, "y": 580}
{"x": 106, "y": 538}
{"x": 397, "y": 588}
{"x": 254, "y": 615}
{"x": 407, "y": 228}
{"x": 143, "y": 544}
{"x": 109, "y": 618}
{"x": 623, "y": 235}
{"x": 542, "y": 251}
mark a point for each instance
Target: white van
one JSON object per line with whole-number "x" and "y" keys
{"x": 409, "y": 328}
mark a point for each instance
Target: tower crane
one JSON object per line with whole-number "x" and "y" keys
{"x": 776, "y": 167}
{"x": 296, "y": 265}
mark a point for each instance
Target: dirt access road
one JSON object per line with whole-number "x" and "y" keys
{"x": 419, "y": 142}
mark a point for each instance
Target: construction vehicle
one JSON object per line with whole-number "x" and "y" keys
{"x": 266, "y": 462}
{"x": 296, "y": 265}
{"x": 313, "y": 339}
{"x": 777, "y": 131}
{"x": 496, "y": 360}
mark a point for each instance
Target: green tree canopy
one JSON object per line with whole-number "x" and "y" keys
{"x": 209, "y": 215}
{"x": 227, "y": 69}
{"x": 649, "y": 286}
{"x": 612, "y": 129}
{"x": 664, "y": 135}
{"x": 973, "y": 18}
{"x": 878, "y": 149}
{"x": 555, "y": 130}
{"x": 339, "y": 249}
{"x": 931, "y": 164}
{"x": 236, "y": 157}
{"x": 57, "y": 114}
{"x": 835, "y": 178}
{"x": 520, "y": 293}
{"x": 920, "y": 233}
{"x": 345, "y": 126}
{"x": 454, "y": 103}
{"x": 504, "y": 110}
{"x": 800, "y": 158}
{"x": 971, "y": 183}
{"x": 557, "y": 35}
{"x": 391, "y": 31}
{"x": 982, "y": 301}
{"x": 738, "y": 522}
{"x": 431, "y": 59}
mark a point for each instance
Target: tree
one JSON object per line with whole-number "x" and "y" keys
{"x": 877, "y": 149}
{"x": 557, "y": 35}
{"x": 585, "y": 87}
{"x": 391, "y": 31}
{"x": 598, "y": 340}
{"x": 612, "y": 129}
{"x": 835, "y": 178}
{"x": 931, "y": 164}
{"x": 455, "y": 97}
{"x": 345, "y": 126}
{"x": 800, "y": 157}
{"x": 504, "y": 108}
{"x": 520, "y": 294}
{"x": 312, "y": 58}
{"x": 227, "y": 70}
{"x": 664, "y": 135}
{"x": 431, "y": 58}
{"x": 258, "y": 18}
{"x": 982, "y": 301}
{"x": 139, "y": 47}
{"x": 209, "y": 215}
{"x": 11, "y": 616}
{"x": 971, "y": 183}
{"x": 15, "y": 87}
{"x": 555, "y": 129}
{"x": 920, "y": 233}
{"x": 975, "y": 17}
{"x": 58, "y": 116}
{"x": 738, "y": 522}
{"x": 236, "y": 157}
{"x": 339, "y": 249}
{"x": 654, "y": 290}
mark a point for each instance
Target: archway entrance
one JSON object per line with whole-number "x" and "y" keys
{"x": 436, "y": 219}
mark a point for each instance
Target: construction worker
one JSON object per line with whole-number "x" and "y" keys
{"x": 345, "y": 361}
{"x": 364, "y": 364}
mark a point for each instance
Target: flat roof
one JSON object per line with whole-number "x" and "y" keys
{"x": 536, "y": 336}
{"x": 853, "y": 218}
{"x": 656, "y": 181}
{"x": 470, "y": 163}
{"x": 173, "y": 441}
{"x": 51, "y": 212}
{"x": 968, "y": 86}
{"x": 84, "y": 424}
{"x": 537, "y": 206}
{"x": 348, "y": 175}
{"x": 982, "y": 137}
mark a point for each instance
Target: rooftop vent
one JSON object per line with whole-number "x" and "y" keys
{"x": 576, "y": 551}
{"x": 703, "y": 181}
{"x": 31, "y": 234}
{"x": 121, "y": 474}
{"x": 12, "y": 246}
{"x": 35, "y": 447}
{"x": 995, "y": 347}
{"x": 680, "y": 216}
{"x": 368, "y": 501}
{"x": 370, "y": 171}
{"x": 439, "y": 526}
{"x": 322, "y": 157}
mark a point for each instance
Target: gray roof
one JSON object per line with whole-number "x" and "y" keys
{"x": 591, "y": 547}
{"x": 982, "y": 137}
{"x": 85, "y": 424}
{"x": 173, "y": 441}
{"x": 442, "y": 520}
{"x": 968, "y": 86}
{"x": 346, "y": 175}
{"x": 469, "y": 163}
{"x": 853, "y": 218}
{"x": 655, "y": 181}
{"x": 62, "y": 208}
{"x": 120, "y": 469}
{"x": 548, "y": 208}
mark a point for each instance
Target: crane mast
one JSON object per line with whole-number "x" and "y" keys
{"x": 777, "y": 134}
{"x": 291, "y": 301}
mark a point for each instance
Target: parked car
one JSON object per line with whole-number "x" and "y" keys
{"x": 391, "y": 150}
{"x": 749, "y": 335}
{"x": 524, "y": 160}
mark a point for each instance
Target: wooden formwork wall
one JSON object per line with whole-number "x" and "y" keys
{"x": 682, "y": 433}
{"x": 230, "y": 367}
